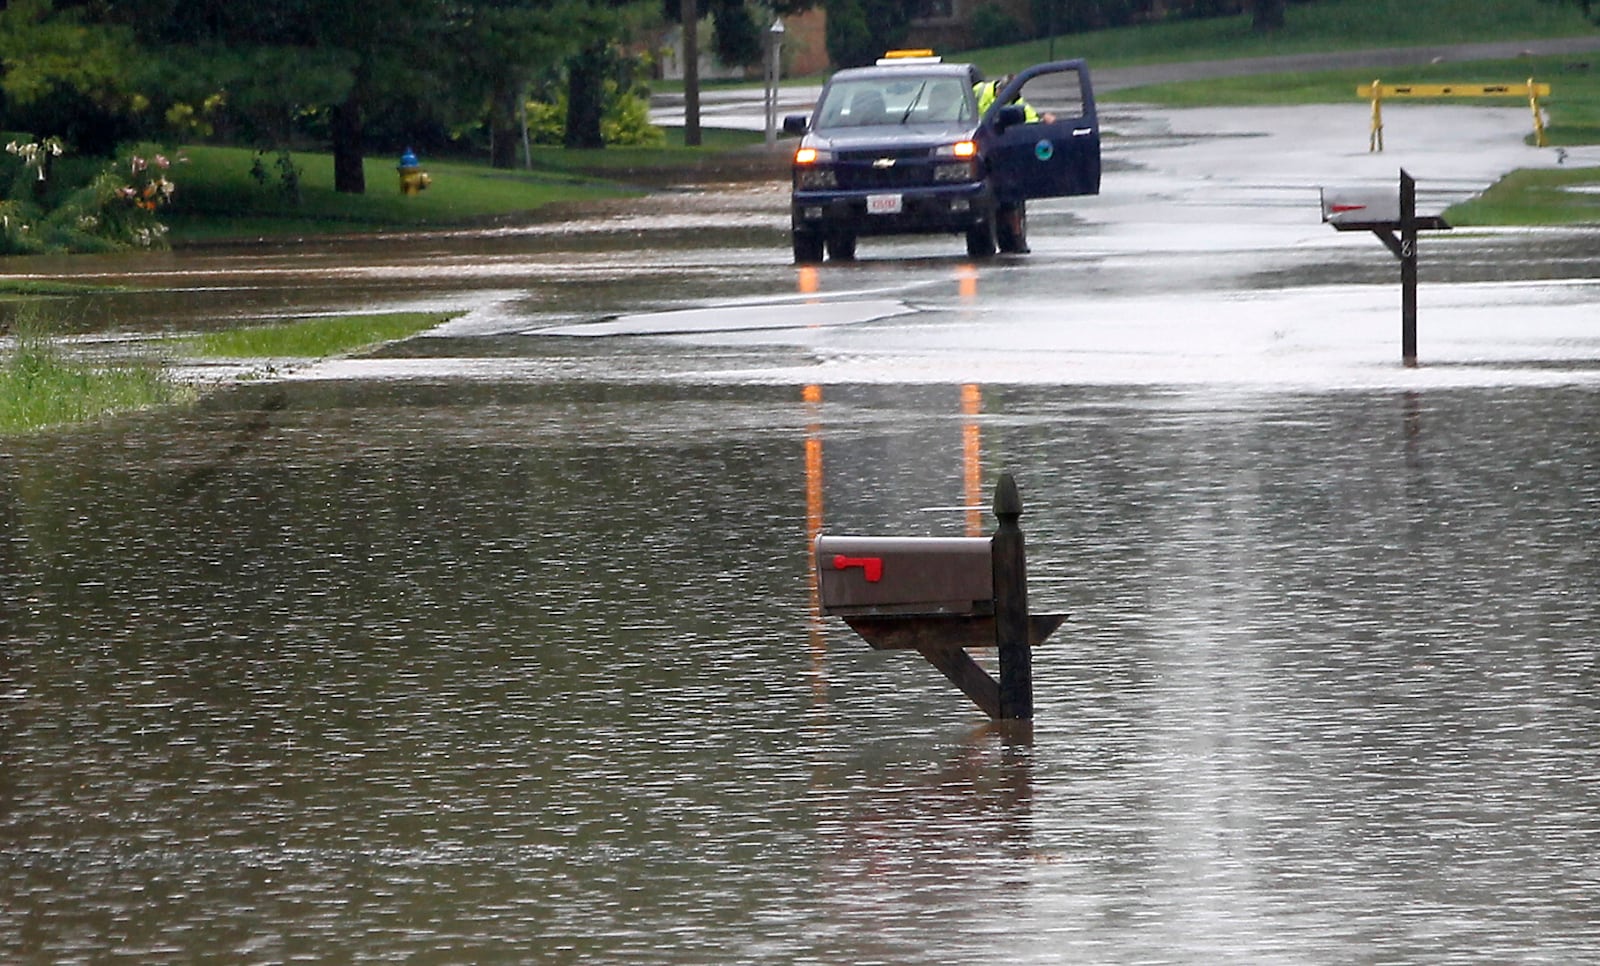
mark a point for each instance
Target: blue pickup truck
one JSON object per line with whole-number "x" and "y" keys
{"x": 916, "y": 146}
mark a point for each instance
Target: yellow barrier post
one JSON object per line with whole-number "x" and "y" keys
{"x": 1538, "y": 120}
{"x": 1378, "y": 91}
{"x": 1375, "y": 137}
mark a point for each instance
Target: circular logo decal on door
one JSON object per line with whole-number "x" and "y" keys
{"x": 1044, "y": 150}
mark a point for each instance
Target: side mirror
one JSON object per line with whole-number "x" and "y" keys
{"x": 1010, "y": 116}
{"x": 794, "y": 124}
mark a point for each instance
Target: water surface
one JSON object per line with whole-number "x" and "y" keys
{"x": 529, "y": 673}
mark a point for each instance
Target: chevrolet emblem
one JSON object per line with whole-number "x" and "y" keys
{"x": 883, "y": 163}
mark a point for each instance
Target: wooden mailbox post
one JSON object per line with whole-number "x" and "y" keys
{"x": 940, "y": 596}
{"x": 1393, "y": 218}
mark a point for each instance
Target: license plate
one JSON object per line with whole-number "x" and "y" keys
{"x": 884, "y": 204}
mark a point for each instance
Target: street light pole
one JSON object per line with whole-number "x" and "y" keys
{"x": 774, "y": 71}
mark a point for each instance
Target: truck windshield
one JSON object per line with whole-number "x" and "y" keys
{"x": 893, "y": 101}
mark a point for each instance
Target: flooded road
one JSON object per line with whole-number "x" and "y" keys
{"x": 499, "y": 645}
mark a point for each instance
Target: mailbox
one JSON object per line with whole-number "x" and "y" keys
{"x": 1371, "y": 209}
{"x": 939, "y": 596}
{"x": 865, "y": 576}
{"x": 1360, "y": 207}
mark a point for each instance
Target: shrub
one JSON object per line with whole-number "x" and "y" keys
{"x": 625, "y": 121}
{"x": 58, "y": 204}
{"x": 994, "y": 26}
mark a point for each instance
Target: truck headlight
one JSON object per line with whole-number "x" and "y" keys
{"x": 956, "y": 162}
{"x": 812, "y": 170}
{"x": 960, "y": 149}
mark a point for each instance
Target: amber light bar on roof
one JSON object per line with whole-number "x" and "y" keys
{"x": 919, "y": 55}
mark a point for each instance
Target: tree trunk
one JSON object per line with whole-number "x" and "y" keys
{"x": 691, "y": 73}
{"x": 1267, "y": 15}
{"x": 585, "y": 99}
{"x": 349, "y": 171}
{"x": 505, "y": 131}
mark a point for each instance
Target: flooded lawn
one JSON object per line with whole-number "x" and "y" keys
{"x": 499, "y": 645}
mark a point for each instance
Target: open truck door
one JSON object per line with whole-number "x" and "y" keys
{"x": 1046, "y": 134}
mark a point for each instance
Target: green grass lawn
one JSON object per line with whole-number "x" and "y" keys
{"x": 40, "y": 386}
{"x": 217, "y": 196}
{"x": 1573, "y": 104}
{"x": 1574, "y": 101}
{"x": 28, "y": 288}
{"x": 1535, "y": 197}
{"x": 39, "y": 392}
{"x": 1309, "y": 28}
{"x": 314, "y": 338}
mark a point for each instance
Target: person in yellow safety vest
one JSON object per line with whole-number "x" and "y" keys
{"x": 987, "y": 91}
{"x": 1011, "y": 215}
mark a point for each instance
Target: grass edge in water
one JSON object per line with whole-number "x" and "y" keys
{"x": 313, "y": 338}
{"x": 40, "y": 387}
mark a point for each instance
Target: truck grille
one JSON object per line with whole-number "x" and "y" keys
{"x": 864, "y": 171}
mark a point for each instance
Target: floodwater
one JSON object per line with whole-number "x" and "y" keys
{"x": 500, "y": 645}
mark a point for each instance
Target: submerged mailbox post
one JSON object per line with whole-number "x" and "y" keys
{"x": 941, "y": 595}
{"x": 1385, "y": 214}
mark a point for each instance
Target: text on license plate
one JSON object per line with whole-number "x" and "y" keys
{"x": 883, "y": 204}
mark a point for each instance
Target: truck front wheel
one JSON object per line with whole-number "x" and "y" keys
{"x": 807, "y": 247}
{"x": 980, "y": 239}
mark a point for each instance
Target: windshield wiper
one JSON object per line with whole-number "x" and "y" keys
{"x": 913, "y": 105}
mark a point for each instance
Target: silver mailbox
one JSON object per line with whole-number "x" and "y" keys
{"x": 859, "y": 576}
{"x": 1360, "y": 207}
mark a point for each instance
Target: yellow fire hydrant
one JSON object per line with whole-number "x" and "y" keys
{"x": 412, "y": 178}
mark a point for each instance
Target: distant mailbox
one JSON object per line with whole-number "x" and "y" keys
{"x": 1360, "y": 207}
{"x": 1363, "y": 209}
{"x": 862, "y": 576}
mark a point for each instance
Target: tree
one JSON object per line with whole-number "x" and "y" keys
{"x": 731, "y": 36}
{"x": 737, "y": 36}
{"x": 585, "y": 97}
{"x": 595, "y": 27}
{"x": 360, "y": 53}
{"x": 859, "y": 31}
{"x": 251, "y": 94}
{"x": 1267, "y": 16}
{"x": 1588, "y": 8}
{"x": 65, "y": 75}
{"x": 497, "y": 50}
{"x": 268, "y": 72}
{"x": 386, "y": 42}
{"x": 850, "y": 43}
